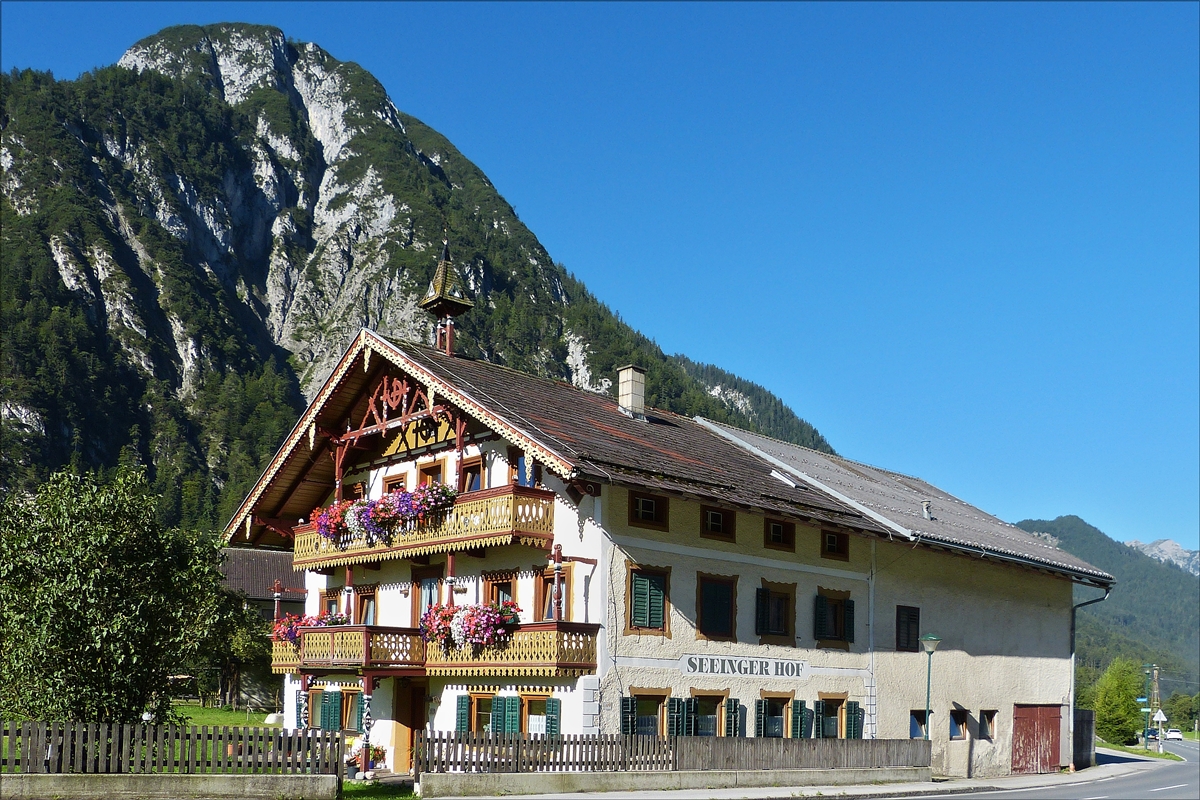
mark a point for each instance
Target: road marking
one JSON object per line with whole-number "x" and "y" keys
{"x": 1164, "y": 788}
{"x": 1098, "y": 797}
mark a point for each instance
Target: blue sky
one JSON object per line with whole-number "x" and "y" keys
{"x": 961, "y": 240}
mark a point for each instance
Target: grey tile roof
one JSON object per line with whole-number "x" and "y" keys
{"x": 891, "y": 497}
{"x": 255, "y": 571}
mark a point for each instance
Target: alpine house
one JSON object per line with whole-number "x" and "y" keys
{"x": 487, "y": 550}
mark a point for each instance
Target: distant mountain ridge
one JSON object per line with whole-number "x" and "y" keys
{"x": 191, "y": 238}
{"x": 1152, "y": 613}
{"x": 1170, "y": 551}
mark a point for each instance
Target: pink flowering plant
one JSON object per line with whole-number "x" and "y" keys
{"x": 474, "y": 625}
{"x": 287, "y": 629}
{"x": 380, "y": 520}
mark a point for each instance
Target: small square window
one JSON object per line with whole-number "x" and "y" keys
{"x": 987, "y": 724}
{"x": 835, "y": 545}
{"x": 779, "y": 535}
{"x": 916, "y": 724}
{"x": 716, "y": 523}
{"x": 647, "y": 511}
{"x": 958, "y": 723}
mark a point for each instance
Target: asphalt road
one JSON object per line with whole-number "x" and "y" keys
{"x": 1154, "y": 780}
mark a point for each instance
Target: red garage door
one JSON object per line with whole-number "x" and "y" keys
{"x": 1035, "y": 739}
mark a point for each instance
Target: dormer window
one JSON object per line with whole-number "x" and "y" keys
{"x": 717, "y": 523}
{"x": 647, "y": 511}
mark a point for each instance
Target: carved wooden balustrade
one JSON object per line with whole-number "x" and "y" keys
{"x": 351, "y": 647}
{"x": 487, "y": 518}
{"x": 546, "y": 649}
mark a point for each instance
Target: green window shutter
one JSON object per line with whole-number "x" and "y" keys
{"x": 762, "y": 611}
{"x": 674, "y": 716}
{"x": 733, "y": 717}
{"x": 499, "y": 706}
{"x": 512, "y": 715}
{"x": 356, "y": 711}
{"x": 797, "y": 718}
{"x": 553, "y": 715}
{"x": 806, "y": 723}
{"x": 849, "y": 620}
{"x": 628, "y": 716}
{"x": 639, "y": 613}
{"x": 331, "y": 711}
{"x": 657, "y": 598}
{"x": 301, "y": 699}
{"x": 760, "y": 718}
{"x": 818, "y": 719}
{"x": 462, "y": 717}
{"x": 820, "y": 616}
{"x": 854, "y": 715}
{"x": 689, "y": 717}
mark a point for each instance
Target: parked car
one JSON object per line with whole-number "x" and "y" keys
{"x": 1152, "y": 734}
{"x": 1174, "y": 733}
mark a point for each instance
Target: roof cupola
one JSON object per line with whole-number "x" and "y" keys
{"x": 445, "y": 299}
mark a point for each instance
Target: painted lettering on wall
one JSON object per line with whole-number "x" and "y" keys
{"x": 748, "y": 667}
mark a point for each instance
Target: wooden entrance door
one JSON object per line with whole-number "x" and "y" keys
{"x": 410, "y": 718}
{"x": 1035, "y": 741}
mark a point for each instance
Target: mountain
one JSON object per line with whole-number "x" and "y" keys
{"x": 1170, "y": 551}
{"x": 191, "y": 237}
{"x": 1153, "y": 613}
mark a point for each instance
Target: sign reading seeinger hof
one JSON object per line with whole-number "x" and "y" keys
{"x": 746, "y": 667}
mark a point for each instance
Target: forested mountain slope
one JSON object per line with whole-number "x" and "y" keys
{"x": 1153, "y": 613}
{"x": 192, "y": 237}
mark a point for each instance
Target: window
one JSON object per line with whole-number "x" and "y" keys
{"x": 987, "y": 724}
{"x": 396, "y": 483}
{"x": 470, "y": 474}
{"x": 544, "y": 600}
{"x": 717, "y": 523}
{"x": 642, "y": 714}
{"x": 426, "y": 586}
{"x": 481, "y": 713}
{"x": 540, "y": 714}
{"x": 958, "y": 723}
{"x": 708, "y": 714}
{"x": 429, "y": 474}
{"x": 499, "y": 586}
{"x": 916, "y": 724}
{"x": 835, "y": 545}
{"x": 779, "y": 535}
{"x": 329, "y": 601}
{"x": 647, "y": 511}
{"x": 647, "y": 600}
{"x": 335, "y": 710}
{"x": 770, "y": 715}
{"x": 716, "y": 612}
{"x": 833, "y": 618}
{"x": 524, "y": 470}
{"x": 908, "y": 629}
{"x": 365, "y": 602}
{"x": 830, "y": 716}
{"x": 774, "y": 611}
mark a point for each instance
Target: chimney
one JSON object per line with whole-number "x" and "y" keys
{"x": 631, "y": 385}
{"x": 926, "y": 509}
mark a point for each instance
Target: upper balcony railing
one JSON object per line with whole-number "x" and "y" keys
{"x": 350, "y": 646}
{"x": 487, "y": 518}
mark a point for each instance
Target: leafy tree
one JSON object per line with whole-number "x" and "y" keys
{"x": 1180, "y": 710}
{"x": 1118, "y": 718}
{"x": 99, "y": 604}
{"x": 237, "y": 641}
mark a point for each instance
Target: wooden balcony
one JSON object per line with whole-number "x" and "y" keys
{"x": 542, "y": 649}
{"x": 487, "y": 518}
{"x": 350, "y": 647}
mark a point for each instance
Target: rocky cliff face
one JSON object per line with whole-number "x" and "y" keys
{"x": 193, "y": 236}
{"x": 1170, "y": 551}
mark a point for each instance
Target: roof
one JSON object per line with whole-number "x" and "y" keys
{"x": 254, "y": 572}
{"x": 574, "y": 433}
{"x": 896, "y": 501}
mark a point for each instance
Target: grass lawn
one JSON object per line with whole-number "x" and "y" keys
{"x": 1138, "y": 751}
{"x": 362, "y": 791}
{"x": 1191, "y": 735}
{"x": 215, "y": 716}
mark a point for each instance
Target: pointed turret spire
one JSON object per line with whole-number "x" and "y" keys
{"x": 446, "y": 299}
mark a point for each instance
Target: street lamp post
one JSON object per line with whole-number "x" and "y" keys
{"x": 930, "y": 643}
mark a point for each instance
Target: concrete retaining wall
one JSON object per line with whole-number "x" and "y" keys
{"x": 168, "y": 787}
{"x": 458, "y": 784}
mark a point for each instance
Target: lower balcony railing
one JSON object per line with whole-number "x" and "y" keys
{"x": 544, "y": 649}
{"x": 539, "y": 649}
{"x": 487, "y": 518}
{"x": 350, "y": 646}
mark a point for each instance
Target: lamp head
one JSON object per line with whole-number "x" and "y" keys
{"x": 930, "y": 642}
